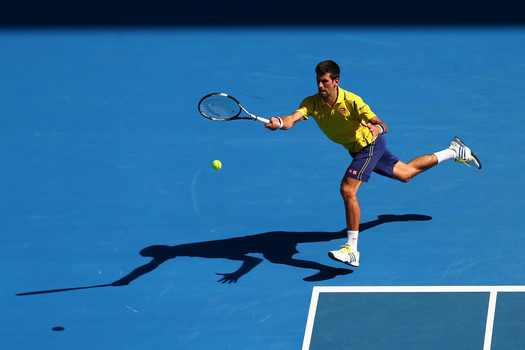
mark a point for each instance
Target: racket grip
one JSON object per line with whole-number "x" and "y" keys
{"x": 262, "y": 120}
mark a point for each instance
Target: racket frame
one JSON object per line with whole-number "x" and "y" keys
{"x": 237, "y": 116}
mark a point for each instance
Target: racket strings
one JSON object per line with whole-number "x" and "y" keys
{"x": 219, "y": 107}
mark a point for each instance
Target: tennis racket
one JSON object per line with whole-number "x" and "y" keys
{"x": 223, "y": 107}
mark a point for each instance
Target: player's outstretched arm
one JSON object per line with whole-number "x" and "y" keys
{"x": 285, "y": 122}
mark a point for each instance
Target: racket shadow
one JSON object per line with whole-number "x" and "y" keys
{"x": 277, "y": 247}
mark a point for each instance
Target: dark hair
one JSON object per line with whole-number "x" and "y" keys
{"x": 328, "y": 67}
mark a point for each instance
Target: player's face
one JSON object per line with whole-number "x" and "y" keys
{"x": 327, "y": 88}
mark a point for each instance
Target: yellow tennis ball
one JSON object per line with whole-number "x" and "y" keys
{"x": 216, "y": 164}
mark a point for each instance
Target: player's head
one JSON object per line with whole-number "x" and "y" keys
{"x": 327, "y": 80}
{"x": 329, "y": 67}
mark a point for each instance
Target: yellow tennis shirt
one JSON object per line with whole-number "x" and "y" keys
{"x": 341, "y": 122}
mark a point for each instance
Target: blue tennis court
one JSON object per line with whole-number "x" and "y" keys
{"x": 117, "y": 233}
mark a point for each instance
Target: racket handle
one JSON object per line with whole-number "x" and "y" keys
{"x": 262, "y": 120}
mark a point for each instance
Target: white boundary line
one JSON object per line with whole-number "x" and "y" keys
{"x": 416, "y": 289}
{"x": 310, "y": 321}
{"x": 490, "y": 321}
{"x": 493, "y": 290}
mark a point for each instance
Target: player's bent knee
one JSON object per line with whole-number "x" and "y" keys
{"x": 347, "y": 192}
{"x": 349, "y": 188}
{"x": 403, "y": 177}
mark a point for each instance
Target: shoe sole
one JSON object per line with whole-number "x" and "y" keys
{"x": 471, "y": 152}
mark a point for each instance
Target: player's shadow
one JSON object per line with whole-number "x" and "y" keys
{"x": 276, "y": 247}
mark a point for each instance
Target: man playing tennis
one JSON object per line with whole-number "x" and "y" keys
{"x": 347, "y": 120}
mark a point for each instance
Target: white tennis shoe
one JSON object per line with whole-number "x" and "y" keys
{"x": 463, "y": 153}
{"x": 345, "y": 255}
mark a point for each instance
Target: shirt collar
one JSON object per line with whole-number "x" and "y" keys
{"x": 340, "y": 96}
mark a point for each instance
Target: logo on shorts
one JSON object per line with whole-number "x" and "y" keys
{"x": 352, "y": 171}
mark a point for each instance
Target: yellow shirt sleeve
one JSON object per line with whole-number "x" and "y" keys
{"x": 307, "y": 107}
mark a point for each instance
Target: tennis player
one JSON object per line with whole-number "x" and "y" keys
{"x": 347, "y": 120}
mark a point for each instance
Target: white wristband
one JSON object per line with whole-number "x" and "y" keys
{"x": 280, "y": 122}
{"x": 382, "y": 128}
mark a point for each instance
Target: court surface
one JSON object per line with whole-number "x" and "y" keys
{"x": 430, "y": 317}
{"x": 117, "y": 233}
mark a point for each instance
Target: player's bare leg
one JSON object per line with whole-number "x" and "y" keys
{"x": 349, "y": 254}
{"x": 405, "y": 172}
{"x": 457, "y": 151}
{"x": 349, "y": 189}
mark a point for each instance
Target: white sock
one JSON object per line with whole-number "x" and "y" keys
{"x": 446, "y": 154}
{"x": 352, "y": 239}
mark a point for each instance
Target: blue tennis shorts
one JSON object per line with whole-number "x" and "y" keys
{"x": 374, "y": 157}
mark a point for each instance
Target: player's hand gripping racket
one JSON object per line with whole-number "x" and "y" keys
{"x": 223, "y": 107}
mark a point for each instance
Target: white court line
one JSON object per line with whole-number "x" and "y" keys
{"x": 310, "y": 321}
{"x": 493, "y": 290}
{"x": 490, "y": 320}
{"x": 416, "y": 289}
